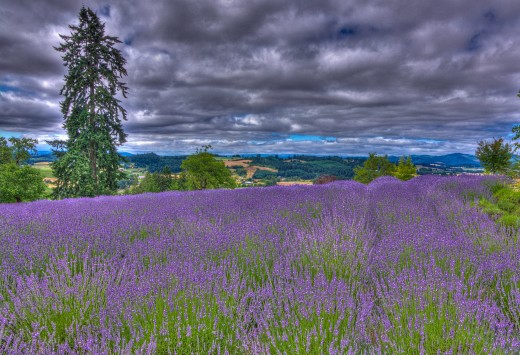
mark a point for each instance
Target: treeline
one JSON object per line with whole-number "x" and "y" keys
{"x": 155, "y": 163}
{"x": 199, "y": 171}
{"x": 377, "y": 166}
{"x": 299, "y": 167}
{"x": 306, "y": 167}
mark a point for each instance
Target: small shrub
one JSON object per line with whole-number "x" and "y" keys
{"x": 489, "y": 208}
{"x": 325, "y": 179}
{"x": 509, "y": 220}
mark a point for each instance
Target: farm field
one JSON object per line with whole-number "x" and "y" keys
{"x": 48, "y": 178}
{"x": 246, "y": 164}
{"x": 392, "y": 267}
{"x": 45, "y": 169}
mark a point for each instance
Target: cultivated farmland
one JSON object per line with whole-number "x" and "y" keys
{"x": 393, "y": 267}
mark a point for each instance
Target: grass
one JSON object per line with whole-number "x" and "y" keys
{"x": 504, "y": 206}
{"x": 45, "y": 169}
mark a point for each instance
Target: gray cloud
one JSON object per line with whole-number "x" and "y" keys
{"x": 249, "y": 76}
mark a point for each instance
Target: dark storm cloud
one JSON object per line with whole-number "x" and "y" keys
{"x": 249, "y": 76}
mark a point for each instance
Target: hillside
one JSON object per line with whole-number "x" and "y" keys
{"x": 338, "y": 268}
{"x": 448, "y": 160}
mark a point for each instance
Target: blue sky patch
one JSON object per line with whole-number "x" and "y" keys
{"x": 6, "y": 134}
{"x": 105, "y": 10}
{"x": 310, "y": 138}
{"x": 8, "y": 88}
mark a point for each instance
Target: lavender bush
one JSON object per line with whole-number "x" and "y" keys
{"x": 392, "y": 267}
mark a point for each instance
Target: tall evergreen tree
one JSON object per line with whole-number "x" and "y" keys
{"x": 88, "y": 162}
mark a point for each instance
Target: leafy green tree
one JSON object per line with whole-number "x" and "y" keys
{"x": 156, "y": 182}
{"x": 405, "y": 169}
{"x": 202, "y": 171}
{"x": 6, "y": 154}
{"x": 374, "y": 167}
{"x": 147, "y": 184}
{"x": 18, "y": 151}
{"x": 88, "y": 162}
{"x": 18, "y": 182}
{"x": 495, "y": 156}
{"x": 179, "y": 183}
{"x": 165, "y": 179}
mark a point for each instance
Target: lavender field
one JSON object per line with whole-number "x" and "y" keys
{"x": 392, "y": 267}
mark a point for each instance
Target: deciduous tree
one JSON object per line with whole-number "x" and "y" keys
{"x": 18, "y": 182}
{"x": 405, "y": 169}
{"x": 88, "y": 162}
{"x": 16, "y": 150}
{"x": 202, "y": 171}
{"x": 495, "y": 156}
{"x": 374, "y": 167}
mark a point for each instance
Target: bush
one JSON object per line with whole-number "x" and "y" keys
{"x": 325, "y": 179}
{"x": 264, "y": 174}
{"x": 239, "y": 170}
{"x": 489, "y": 208}
{"x": 509, "y": 220}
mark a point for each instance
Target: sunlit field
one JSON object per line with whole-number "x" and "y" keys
{"x": 393, "y": 267}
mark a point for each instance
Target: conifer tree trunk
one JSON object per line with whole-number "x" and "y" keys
{"x": 92, "y": 143}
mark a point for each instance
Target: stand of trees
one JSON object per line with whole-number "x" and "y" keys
{"x": 376, "y": 166}
{"x": 155, "y": 163}
{"x": 199, "y": 171}
{"x": 19, "y": 182}
{"x": 307, "y": 167}
{"x": 154, "y": 182}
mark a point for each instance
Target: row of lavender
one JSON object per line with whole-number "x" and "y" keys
{"x": 396, "y": 267}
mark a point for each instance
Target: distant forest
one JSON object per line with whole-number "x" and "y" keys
{"x": 300, "y": 167}
{"x": 307, "y": 167}
{"x": 155, "y": 163}
{"x": 296, "y": 167}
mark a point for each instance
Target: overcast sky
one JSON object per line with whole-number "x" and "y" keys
{"x": 281, "y": 76}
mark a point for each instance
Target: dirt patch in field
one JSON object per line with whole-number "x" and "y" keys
{"x": 251, "y": 170}
{"x": 290, "y": 183}
{"x": 245, "y": 164}
{"x": 242, "y": 162}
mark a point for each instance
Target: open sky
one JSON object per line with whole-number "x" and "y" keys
{"x": 270, "y": 76}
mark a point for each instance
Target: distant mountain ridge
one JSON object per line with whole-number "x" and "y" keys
{"x": 453, "y": 159}
{"x": 448, "y": 160}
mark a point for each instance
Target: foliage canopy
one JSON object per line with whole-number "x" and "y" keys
{"x": 405, "y": 169}
{"x": 202, "y": 171}
{"x": 495, "y": 156}
{"x": 18, "y": 182}
{"x": 374, "y": 167}
{"x": 154, "y": 182}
